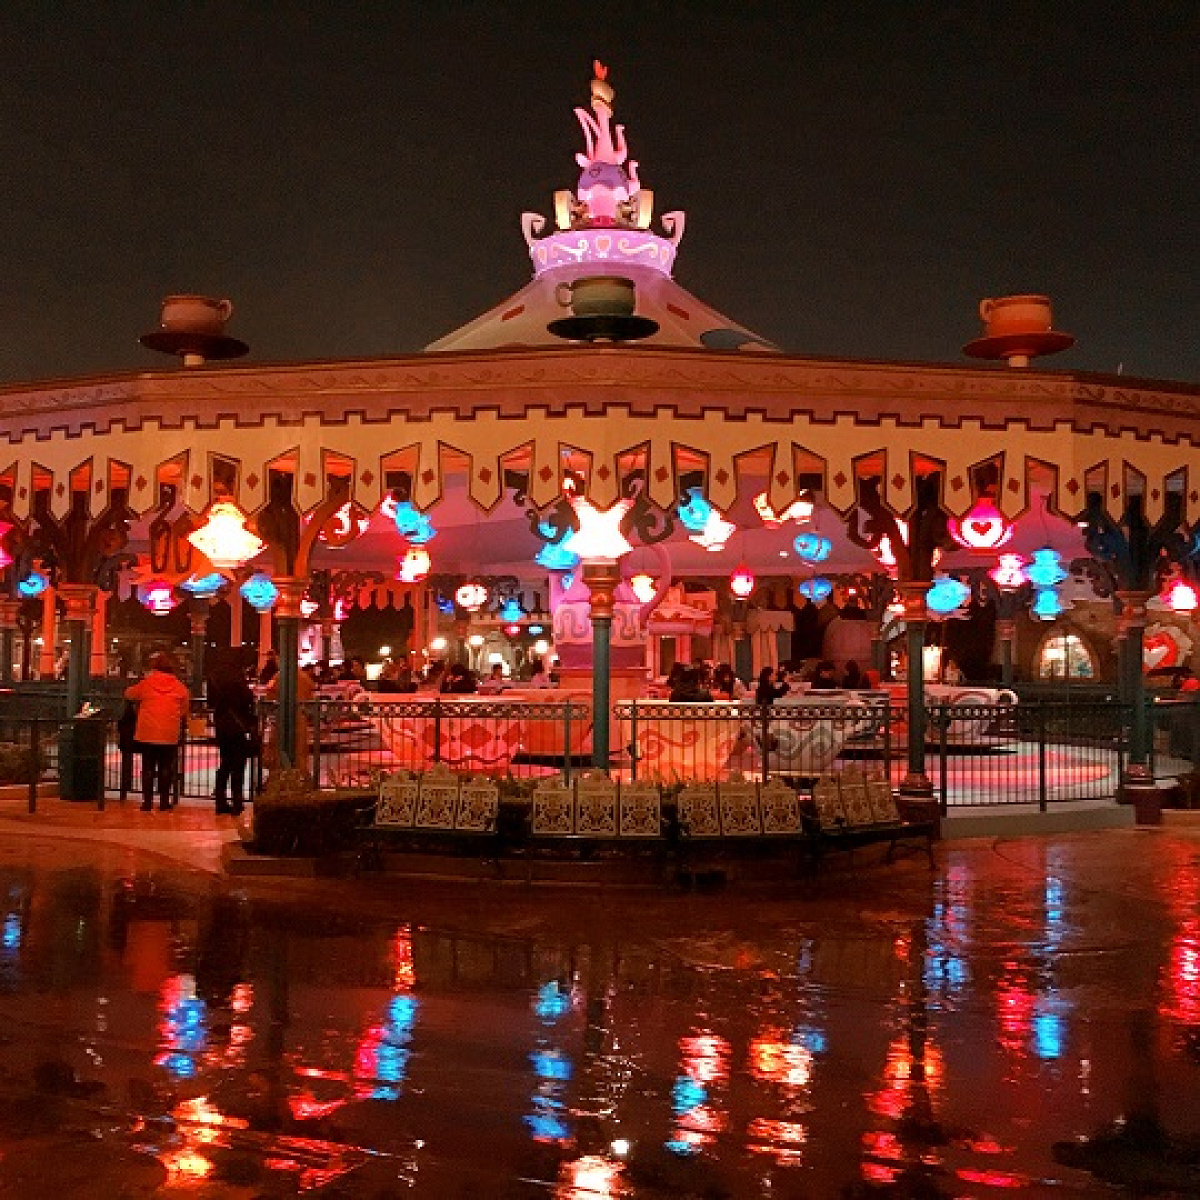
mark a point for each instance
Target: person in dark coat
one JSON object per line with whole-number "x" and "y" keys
{"x": 235, "y": 724}
{"x": 768, "y": 690}
{"x": 690, "y": 688}
{"x": 459, "y": 681}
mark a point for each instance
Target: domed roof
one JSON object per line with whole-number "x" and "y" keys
{"x": 603, "y": 228}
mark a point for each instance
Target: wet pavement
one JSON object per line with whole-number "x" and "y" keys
{"x": 881, "y": 1030}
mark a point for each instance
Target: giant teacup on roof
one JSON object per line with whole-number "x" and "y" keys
{"x": 603, "y": 228}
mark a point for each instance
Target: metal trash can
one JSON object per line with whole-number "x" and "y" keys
{"x": 81, "y": 745}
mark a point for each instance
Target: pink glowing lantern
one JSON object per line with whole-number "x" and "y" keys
{"x": 1009, "y": 574}
{"x": 157, "y": 597}
{"x": 472, "y": 596}
{"x": 741, "y": 582}
{"x": 224, "y": 539}
{"x": 414, "y": 566}
{"x": 1181, "y": 597}
{"x": 984, "y": 527}
{"x": 5, "y": 558}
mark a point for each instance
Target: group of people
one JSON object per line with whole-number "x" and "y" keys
{"x": 155, "y": 721}
{"x": 702, "y": 682}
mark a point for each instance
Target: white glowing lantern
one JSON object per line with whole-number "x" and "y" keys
{"x": 717, "y": 531}
{"x": 741, "y": 582}
{"x": 224, "y": 539}
{"x": 643, "y": 587}
{"x": 1009, "y": 575}
{"x": 438, "y": 645}
{"x": 471, "y": 596}
{"x": 541, "y": 646}
{"x": 475, "y": 641}
{"x": 931, "y": 662}
{"x": 1181, "y": 597}
{"x": 308, "y": 608}
{"x": 414, "y": 566}
{"x": 599, "y": 537}
{"x": 984, "y": 527}
{"x": 798, "y": 510}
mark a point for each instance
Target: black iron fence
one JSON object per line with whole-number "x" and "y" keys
{"x": 1031, "y": 752}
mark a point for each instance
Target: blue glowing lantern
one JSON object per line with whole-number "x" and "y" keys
{"x": 259, "y": 592}
{"x": 553, "y": 557}
{"x": 816, "y": 590}
{"x": 414, "y": 525}
{"x": 812, "y": 547}
{"x": 34, "y": 584}
{"x": 947, "y": 595}
{"x": 511, "y": 610}
{"x": 203, "y": 586}
{"x": 694, "y": 511}
{"x": 1046, "y": 605}
{"x": 1046, "y": 570}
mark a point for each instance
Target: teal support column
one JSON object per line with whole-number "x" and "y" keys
{"x": 916, "y": 782}
{"x": 198, "y": 623}
{"x": 1131, "y": 629}
{"x": 601, "y": 630}
{"x": 1006, "y": 631}
{"x": 287, "y": 618}
{"x": 9, "y": 613}
{"x": 601, "y": 578}
{"x": 80, "y": 602}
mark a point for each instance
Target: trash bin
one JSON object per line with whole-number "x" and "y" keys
{"x": 81, "y": 745}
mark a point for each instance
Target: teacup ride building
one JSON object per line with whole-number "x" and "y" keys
{"x": 605, "y": 463}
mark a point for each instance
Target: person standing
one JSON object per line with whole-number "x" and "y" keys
{"x": 162, "y": 701}
{"x": 235, "y": 724}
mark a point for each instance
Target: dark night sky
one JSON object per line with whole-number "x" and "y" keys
{"x": 856, "y": 176}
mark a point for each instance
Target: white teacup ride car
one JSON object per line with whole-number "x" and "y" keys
{"x": 808, "y": 730}
{"x": 978, "y": 723}
{"x": 802, "y": 735}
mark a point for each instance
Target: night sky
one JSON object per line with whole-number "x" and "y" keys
{"x": 856, "y": 176}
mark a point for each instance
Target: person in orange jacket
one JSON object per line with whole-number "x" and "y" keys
{"x": 162, "y": 701}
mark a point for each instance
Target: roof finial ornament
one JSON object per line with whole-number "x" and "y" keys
{"x": 609, "y": 193}
{"x": 608, "y": 197}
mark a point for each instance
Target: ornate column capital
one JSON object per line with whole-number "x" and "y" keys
{"x": 1133, "y": 613}
{"x": 291, "y": 596}
{"x": 79, "y": 599}
{"x": 601, "y": 579}
{"x": 912, "y": 596}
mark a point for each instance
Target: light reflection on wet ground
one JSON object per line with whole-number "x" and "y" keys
{"x": 886, "y": 1030}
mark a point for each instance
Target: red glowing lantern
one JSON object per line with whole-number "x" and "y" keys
{"x": 983, "y": 529}
{"x": 741, "y": 582}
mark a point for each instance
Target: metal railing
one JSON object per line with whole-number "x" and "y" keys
{"x": 1031, "y": 752}
{"x": 346, "y": 743}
